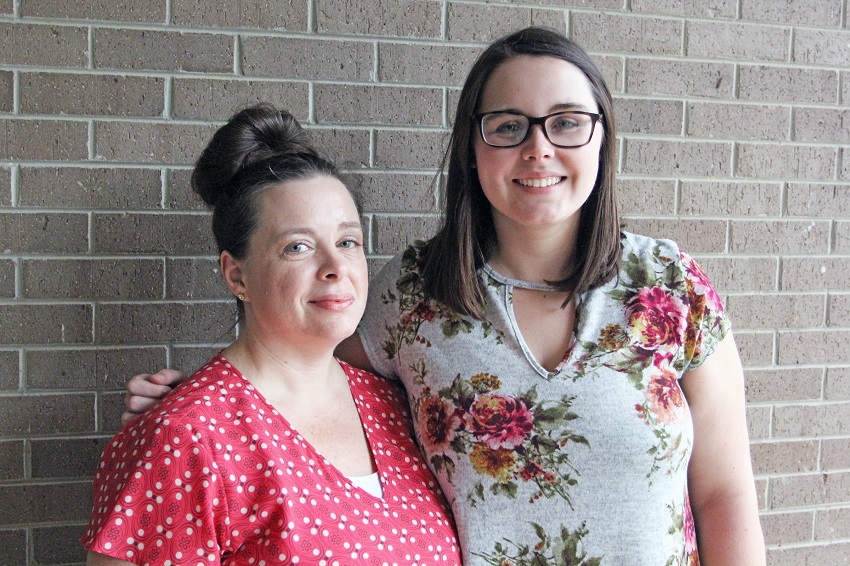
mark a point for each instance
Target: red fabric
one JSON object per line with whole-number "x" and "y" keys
{"x": 214, "y": 475}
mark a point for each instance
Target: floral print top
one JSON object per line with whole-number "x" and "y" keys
{"x": 583, "y": 465}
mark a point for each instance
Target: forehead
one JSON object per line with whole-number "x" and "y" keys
{"x": 316, "y": 200}
{"x": 536, "y": 85}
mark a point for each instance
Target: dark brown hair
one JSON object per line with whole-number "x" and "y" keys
{"x": 257, "y": 148}
{"x": 465, "y": 239}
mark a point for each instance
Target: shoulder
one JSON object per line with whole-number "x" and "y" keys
{"x": 659, "y": 250}
{"x": 377, "y": 389}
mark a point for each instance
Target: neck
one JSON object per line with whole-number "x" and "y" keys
{"x": 534, "y": 254}
{"x": 277, "y": 369}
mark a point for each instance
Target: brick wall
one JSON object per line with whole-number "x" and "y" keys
{"x": 735, "y": 141}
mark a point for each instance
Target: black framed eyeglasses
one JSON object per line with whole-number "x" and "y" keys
{"x": 562, "y": 129}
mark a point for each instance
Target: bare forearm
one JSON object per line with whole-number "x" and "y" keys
{"x": 729, "y": 532}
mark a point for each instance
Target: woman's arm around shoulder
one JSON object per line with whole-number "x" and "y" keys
{"x": 98, "y": 559}
{"x": 145, "y": 389}
{"x": 720, "y": 475}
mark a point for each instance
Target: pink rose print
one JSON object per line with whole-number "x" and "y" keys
{"x": 701, "y": 284}
{"x": 690, "y": 530}
{"x": 664, "y": 395}
{"x": 440, "y": 423}
{"x": 656, "y": 318}
{"x": 500, "y": 421}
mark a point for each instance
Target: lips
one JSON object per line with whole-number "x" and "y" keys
{"x": 333, "y": 302}
{"x": 537, "y": 183}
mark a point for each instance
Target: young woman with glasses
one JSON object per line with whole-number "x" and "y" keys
{"x": 576, "y": 389}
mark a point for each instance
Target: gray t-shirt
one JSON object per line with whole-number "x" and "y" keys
{"x": 588, "y": 462}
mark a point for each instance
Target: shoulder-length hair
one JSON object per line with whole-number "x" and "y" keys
{"x": 465, "y": 240}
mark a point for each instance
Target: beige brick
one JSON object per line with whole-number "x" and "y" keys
{"x": 628, "y": 33}
{"x": 190, "y": 359}
{"x": 646, "y": 116}
{"x": 837, "y": 384}
{"x": 349, "y": 149}
{"x": 487, "y": 22}
{"x": 836, "y": 553}
{"x": 697, "y": 8}
{"x": 48, "y": 140}
{"x": 738, "y": 121}
{"x": 394, "y": 233}
{"x": 787, "y": 528}
{"x": 11, "y": 460}
{"x": 177, "y": 234}
{"x": 822, "y": 124}
{"x": 787, "y": 84}
{"x": 813, "y": 347}
{"x": 288, "y": 15}
{"x": 754, "y": 274}
{"x": 833, "y": 524}
{"x": 841, "y": 241}
{"x": 678, "y": 158}
{"x": 14, "y": 544}
{"x": 99, "y": 188}
{"x": 845, "y": 88}
{"x": 778, "y": 385}
{"x": 818, "y": 200}
{"x": 806, "y": 490}
{"x": 44, "y": 233}
{"x": 839, "y": 310}
{"x": 46, "y": 414}
{"x": 90, "y": 369}
{"x": 844, "y": 172}
{"x": 43, "y": 45}
{"x": 65, "y": 458}
{"x": 700, "y": 198}
{"x": 7, "y": 279}
{"x": 811, "y": 420}
{"x": 822, "y": 47}
{"x": 761, "y": 493}
{"x": 825, "y": 13}
{"x": 646, "y": 196}
{"x": 210, "y": 99}
{"x": 785, "y": 162}
{"x": 157, "y": 50}
{"x": 775, "y": 237}
{"x": 7, "y": 84}
{"x": 5, "y": 187}
{"x": 835, "y": 454}
{"x": 307, "y": 58}
{"x": 167, "y": 143}
{"x": 132, "y": 323}
{"x": 58, "y": 324}
{"x": 42, "y": 503}
{"x": 388, "y": 192}
{"x": 351, "y": 104}
{"x": 9, "y": 370}
{"x": 784, "y": 457}
{"x": 95, "y": 10}
{"x": 758, "y": 422}
{"x": 680, "y": 78}
{"x": 92, "y": 279}
{"x": 425, "y": 64}
{"x": 58, "y": 544}
{"x": 410, "y": 149}
{"x": 613, "y": 71}
{"x": 194, "y": 278}
{"x": 178, "y": 191}
{"x": 694, "y": 236}
{"x": 397, "y": 18}
{"x": 814, "y": 273}
{"x": 728, "y": 40}
{"x": 109, "y": 409}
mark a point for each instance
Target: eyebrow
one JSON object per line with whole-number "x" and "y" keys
{"x": 562, "y": 107}
{"x": 305, "y": 230}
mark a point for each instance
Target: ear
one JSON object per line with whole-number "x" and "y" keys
{"x": 231, "y": 270}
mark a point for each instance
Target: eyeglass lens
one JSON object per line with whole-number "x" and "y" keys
{"x": 567, "y": 129}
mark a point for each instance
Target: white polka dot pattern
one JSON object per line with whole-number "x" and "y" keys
{"x": 215, "y": 475}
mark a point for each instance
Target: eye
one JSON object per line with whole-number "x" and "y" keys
{"x": 565, "y": 122}
{"x": 350, "y": 243}
{"x": 296, "y": 248}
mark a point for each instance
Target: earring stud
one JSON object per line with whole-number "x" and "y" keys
{"x": 240, "y": 296}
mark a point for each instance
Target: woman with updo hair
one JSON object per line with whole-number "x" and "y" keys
{"x": 274, "y": 452}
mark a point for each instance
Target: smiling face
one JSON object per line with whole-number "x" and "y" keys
{"x": 537, "y": 184}
{"x": 304, "y": 279}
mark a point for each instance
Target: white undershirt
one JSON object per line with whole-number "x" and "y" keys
{"x": 371, "y": 484}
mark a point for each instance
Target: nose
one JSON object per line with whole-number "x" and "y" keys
{"x": 333, "y": 266}
{"x": 537, "y": 145}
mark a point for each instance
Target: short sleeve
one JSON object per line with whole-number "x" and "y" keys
{"x": 707, "y": 324}
{"x": 157, "y": 497}
{"x": 382, "y": 318}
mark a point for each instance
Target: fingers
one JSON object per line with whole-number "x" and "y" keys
{"x": 145, "y": 389}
